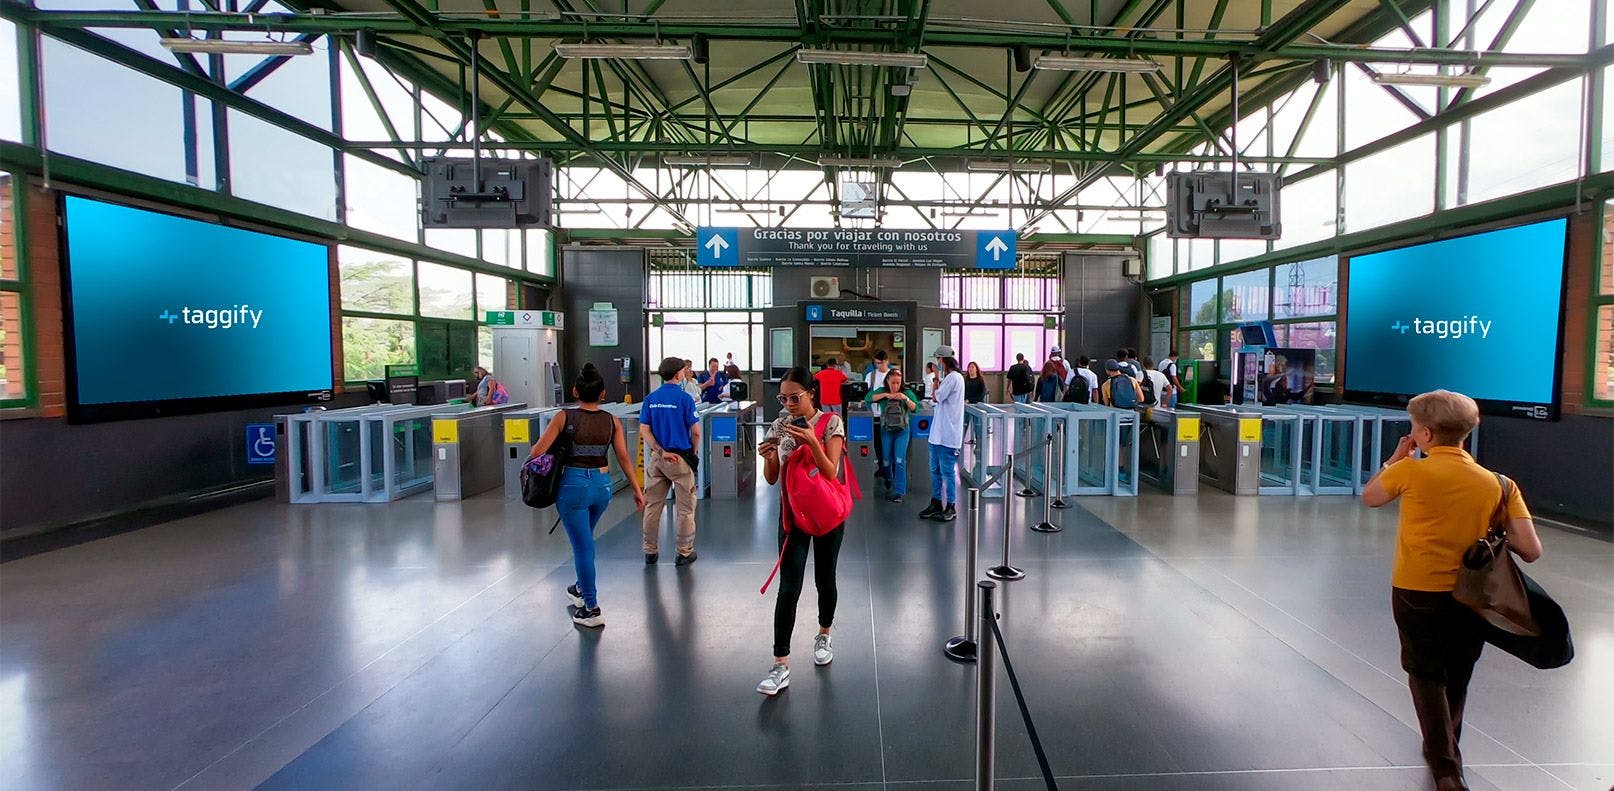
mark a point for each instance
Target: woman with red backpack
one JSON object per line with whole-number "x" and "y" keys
{"x": 803, "y": 451}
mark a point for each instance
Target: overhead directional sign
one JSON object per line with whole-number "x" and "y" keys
{"x": 763, "y": 247}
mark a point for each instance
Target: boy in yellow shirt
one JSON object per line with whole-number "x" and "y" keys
{"x": 1447, "y": 500}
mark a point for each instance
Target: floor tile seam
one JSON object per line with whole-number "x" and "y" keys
{"x": 874, "y": 643}
{"x": 360, "y": 671}
{"x": 1468, "y": 725}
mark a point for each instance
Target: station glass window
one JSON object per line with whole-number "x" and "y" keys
{"x": 445, "y": 292}
{"x": 369, "y": 345}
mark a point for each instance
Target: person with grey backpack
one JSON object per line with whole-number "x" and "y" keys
{"x": 896, "y": 403}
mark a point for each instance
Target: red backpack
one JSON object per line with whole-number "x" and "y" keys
{"x": 813, "y": 504}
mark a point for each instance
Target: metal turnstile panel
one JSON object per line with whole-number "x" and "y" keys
{"x": 728, "y": 462}
{"x": 1230, "y": 450}
{"x": 522, "y": 428}
{"x": 468, "y": 451}
{"x": 861, "y": 457}
{"x": 1168, "y": 457}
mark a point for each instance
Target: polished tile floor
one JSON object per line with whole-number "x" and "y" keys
{"x": 1205, "y": 642}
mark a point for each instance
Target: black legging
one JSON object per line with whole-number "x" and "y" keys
{"x": 793, "y": 568}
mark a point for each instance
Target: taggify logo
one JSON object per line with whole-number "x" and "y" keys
{"x": 1445, "y": 329}
{"x": 214, "y": 318}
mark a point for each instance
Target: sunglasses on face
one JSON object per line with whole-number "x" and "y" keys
{"x": 792, "y": 398}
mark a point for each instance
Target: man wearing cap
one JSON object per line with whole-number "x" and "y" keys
{"x": 669, "y": 428}
{"x": 1056, "y": 356}
{"x": 1119, "y": 390}
{"x": 946, "y": 438}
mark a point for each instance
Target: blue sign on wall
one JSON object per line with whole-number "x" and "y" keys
{"x": 815, "y": 312}
{"x": 260, "y": 443}
{"x": 725, "y": 429}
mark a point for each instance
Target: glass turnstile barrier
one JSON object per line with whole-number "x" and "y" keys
{"x": 1330, "y": 448}
{"x": 522, "y": 428}
{"x": 1029, "y": 425}
{"x": 405, "y": 437}
{"x": 1098, "y": 448}
{"x": 628, "y": 416}
{"x": 987, "y": 431}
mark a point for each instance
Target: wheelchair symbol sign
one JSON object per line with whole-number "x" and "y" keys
{"x": 260, "y": 443}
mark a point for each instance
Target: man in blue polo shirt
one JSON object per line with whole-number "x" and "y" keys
{"x": 669, "y": 429}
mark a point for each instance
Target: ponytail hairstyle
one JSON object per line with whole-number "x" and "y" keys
{"x": 589, "y": 386}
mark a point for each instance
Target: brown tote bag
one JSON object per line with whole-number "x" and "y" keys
{"x": 1490, "y": 582}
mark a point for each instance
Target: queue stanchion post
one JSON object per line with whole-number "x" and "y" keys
{"x": 963, "y": 647}
{"x": 1058, "y": 493}
{"x": 1005, "y": 571}
{"x": 986, "y": 697}
{"x": 1047, "y": 524}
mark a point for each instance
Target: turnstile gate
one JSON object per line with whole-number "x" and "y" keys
{"x": 467, "y": 451}
{"x": 1168, "y": 450}
{"x": 729, "y": 450}
{"x": 522, "y": 428}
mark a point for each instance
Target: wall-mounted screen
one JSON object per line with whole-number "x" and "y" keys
{"x": 1478, "y": 314}
{"x": 167, "y": 314}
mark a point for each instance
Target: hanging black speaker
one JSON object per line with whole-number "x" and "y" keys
{"x": 700, "y": 48}
{"x": 1321, "y": 71}
{"x": 364, "y": 43}
{"x": 1022, "y": 58}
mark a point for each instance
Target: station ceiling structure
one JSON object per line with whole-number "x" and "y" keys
{"x": 1016, "y": 88}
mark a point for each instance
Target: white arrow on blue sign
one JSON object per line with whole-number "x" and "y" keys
{"x": 995, "y": 249}
{"x": 717, "y": 246}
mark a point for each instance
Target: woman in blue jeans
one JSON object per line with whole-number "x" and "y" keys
{"x": 585, "y": 483}
{"x": 895, "y": 403}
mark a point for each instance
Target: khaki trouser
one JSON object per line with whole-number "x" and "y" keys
{"x": 660, "y": 475}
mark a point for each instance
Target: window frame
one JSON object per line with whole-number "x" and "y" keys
{"x": 21, "y": 287}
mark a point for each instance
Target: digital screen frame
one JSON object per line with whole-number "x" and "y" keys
{"x": 1452, "y": 295}
{"x": 169, "y": 315}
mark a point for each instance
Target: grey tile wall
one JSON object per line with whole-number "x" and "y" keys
{"x": 605, "y": 274}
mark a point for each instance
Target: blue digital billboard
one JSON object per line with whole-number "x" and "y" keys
{"x": 1477, "y": 314}
{"x": 170, "y": 314}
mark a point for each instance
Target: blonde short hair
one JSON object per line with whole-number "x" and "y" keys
{"x": 1450, "y": 416}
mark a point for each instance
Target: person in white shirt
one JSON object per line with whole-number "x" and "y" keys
{"x": 946, "y": 438}
{"x": 930, "y": 380}
{"x": 1174, "y": 376}
{"x": 1056, "y": 356}
{"x": 1084, "y": 369}
{"x": 1162, "y": 386}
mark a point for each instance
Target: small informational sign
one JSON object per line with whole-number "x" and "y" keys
{"x": 1187, "y": 429}
{"x": 525, "y": 318}
{"x": 603, "y": 325}
{"x": 1249, "y": 429}
{"x": 445, "y": 432}
{"x": 260, "y": 443}
{"x": 518, "y": 432}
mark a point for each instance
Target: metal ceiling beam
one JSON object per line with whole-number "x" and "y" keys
{"x": 1293, "y": 25}
{"x": 426, "y": 22}
{"x": 454, "y": 26}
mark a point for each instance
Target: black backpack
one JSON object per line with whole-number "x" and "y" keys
{"x": 540, "y": 477}
{"x": 1077, "y": 392}
{"x": 1147, "y": 386}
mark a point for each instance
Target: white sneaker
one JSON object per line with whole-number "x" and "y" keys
{"x": 823, "y": 652}
{"x": 778, "y": 678}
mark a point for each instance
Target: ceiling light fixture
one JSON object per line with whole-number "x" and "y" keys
{"x": 587, "y": 51}
{"x": 1004, "y": 166}
{"x": 1464, "y": 80}
{"x": 715, "y": 160}
{"x": 970, "y": 213}
{"x": 856, "y": 162}
{"x": 1116, "y": 65}
{"x": 841, "y": 57}
{"x": 222, "y": 46}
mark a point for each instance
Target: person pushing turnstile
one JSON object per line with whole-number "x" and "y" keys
{"x": 667, "y": 424}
